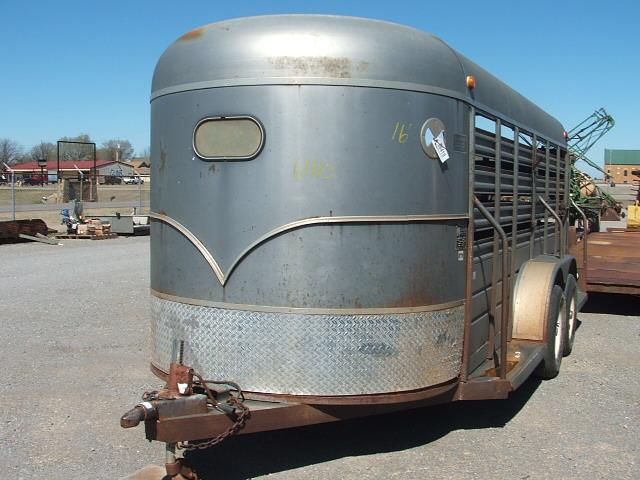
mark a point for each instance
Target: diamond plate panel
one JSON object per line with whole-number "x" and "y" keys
{"x": 306, "y": 354}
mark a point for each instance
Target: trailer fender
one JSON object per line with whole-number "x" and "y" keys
{"x": 532, "y": 293}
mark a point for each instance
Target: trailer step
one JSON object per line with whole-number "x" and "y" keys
{"x": 529, "y": 355}
{"x": 523, "y": 357}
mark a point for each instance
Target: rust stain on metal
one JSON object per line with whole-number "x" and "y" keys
{"x": 192, "y": 35}
{"x": 337, "y": 67}
{"x": 163, "y": 158}
{"x": 418, "y": 294}
{"x": 494, "y": 372}
{"x": 413, "y": 299}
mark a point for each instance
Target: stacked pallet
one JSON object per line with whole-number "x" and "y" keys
{"x": 10, "y": 231}
{"x": 92, "y": 229}
{"x": 94, "y": 226}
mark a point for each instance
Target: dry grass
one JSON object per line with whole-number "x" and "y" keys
{"x": 34, "y": 195}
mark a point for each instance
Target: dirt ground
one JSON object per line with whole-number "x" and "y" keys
{"x": 27, "y": 195}
{"x": 75, "y": 353}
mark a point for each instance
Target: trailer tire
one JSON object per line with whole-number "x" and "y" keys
{"x": 571, "y": 302}
{"x": 554, "y": 335}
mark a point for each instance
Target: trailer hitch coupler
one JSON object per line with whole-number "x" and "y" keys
{"x": 137, "y": 414}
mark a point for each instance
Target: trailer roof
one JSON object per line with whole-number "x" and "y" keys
{"x": 333, "y": 50}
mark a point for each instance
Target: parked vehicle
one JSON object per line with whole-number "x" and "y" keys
{"x": 35, "y": 180}
{"x": 132, "y": 180}
{"x": 400, "y": 241}
{"x": 112, "y": 180}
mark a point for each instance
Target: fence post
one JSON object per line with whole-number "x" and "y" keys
{"x": 13, "y": 192}
{"x": 13, "y": 188}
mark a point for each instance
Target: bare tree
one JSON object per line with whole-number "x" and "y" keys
{"x": 46, "y": 150}
{"x": 116, "y": 149}
{"x": 146, "y": 154}
{"x": 10, "y": 151}
{"x": 71, "y": 151}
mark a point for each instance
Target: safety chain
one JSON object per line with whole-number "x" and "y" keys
{"x": 150, "y": 396}
{"x": 236, "y": 403}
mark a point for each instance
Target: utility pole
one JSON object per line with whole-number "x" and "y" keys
{"x": 81, "y": 180}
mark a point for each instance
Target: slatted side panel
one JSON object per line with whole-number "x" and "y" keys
{"x": 512, "y": 170}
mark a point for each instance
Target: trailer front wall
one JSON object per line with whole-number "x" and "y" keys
{"x": 352, "y": 307}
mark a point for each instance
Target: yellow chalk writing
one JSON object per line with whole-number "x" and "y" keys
{"x": 313, "y": 169}
{"x": 400, "y": 133}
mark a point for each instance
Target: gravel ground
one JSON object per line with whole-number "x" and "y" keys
{"x": 74, "y": 327}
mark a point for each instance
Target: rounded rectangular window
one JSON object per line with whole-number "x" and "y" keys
{"x": 228, "y": 138}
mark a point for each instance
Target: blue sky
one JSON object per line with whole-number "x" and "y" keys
{"x": 68, "y": 67}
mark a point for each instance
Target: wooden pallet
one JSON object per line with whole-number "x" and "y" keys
{"x": 66, "y": 236}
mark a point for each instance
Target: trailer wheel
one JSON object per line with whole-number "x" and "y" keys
{"x": 571, "y": 301}
{"x": 554, "y": 335}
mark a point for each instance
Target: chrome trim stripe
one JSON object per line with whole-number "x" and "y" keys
{"x": 306, "y": 311}
{"x": 194, "y": 240}
{"x": 222, "y": 277}
{"x": 344, "y": 219}
{"x": 340, "y": 82}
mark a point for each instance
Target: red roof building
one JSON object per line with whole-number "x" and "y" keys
{"x": 104, "y": 168}
{"x": 52, "y": 165}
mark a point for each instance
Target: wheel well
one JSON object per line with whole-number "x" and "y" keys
{"x": 561, "y": 278}
{"x": 573, "y": 268}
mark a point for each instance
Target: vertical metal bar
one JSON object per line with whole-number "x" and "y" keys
{"x": 545, "y": 240}
{"x": 532, "y": 237}
{"x": 504, "y": 319}
{"x": 567, "y": 176}
{"x": 557, "y": 218}
{"x": 496, "y": 241}
{"x": 515, "y": 203}
{"x": 95, "y": 172}
{"x": 466, "y": 355}
{"x": 58, "y": 179}
{"x": 13, "y": 193}
{"x": 170, "y": 459}
{"x": 585, "y": 257}
{"x": 557, "y": 190}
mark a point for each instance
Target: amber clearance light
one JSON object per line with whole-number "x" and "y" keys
{"x": 471, "y": 82}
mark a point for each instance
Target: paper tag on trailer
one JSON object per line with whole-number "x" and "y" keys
{"x": 441, "y": 149}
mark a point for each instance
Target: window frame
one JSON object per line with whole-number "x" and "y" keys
{"x": 229, "y": 117}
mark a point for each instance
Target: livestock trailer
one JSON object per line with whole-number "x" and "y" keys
{"x": 349, "y": 217}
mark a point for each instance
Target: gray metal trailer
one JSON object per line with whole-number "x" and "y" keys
{"x": 349, "y": 218}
